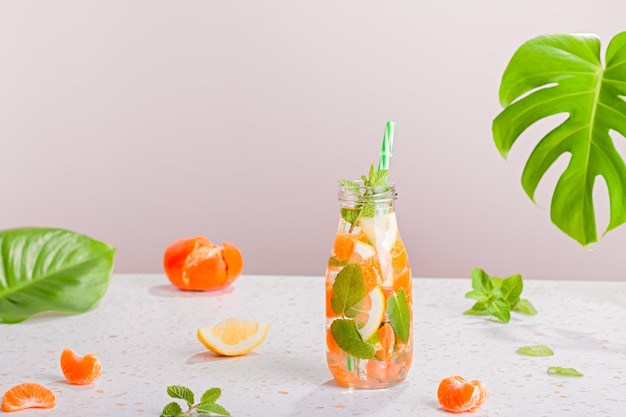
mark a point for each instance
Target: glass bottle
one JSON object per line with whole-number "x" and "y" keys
{"x": 369, "y": 321}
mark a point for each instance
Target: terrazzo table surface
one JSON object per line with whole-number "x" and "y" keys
{"x": 144, "y": 332}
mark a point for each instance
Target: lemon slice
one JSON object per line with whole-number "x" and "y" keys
{"x": 233, "y": 337}
{"x": 368, "y": 313}
{"x": 381, "y": 230}
{"x": 364, "y": 250}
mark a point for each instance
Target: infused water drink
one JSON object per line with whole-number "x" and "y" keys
{"x": 369, "y": 326}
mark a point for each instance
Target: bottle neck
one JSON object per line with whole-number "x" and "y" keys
{"x": 381, "y": 198}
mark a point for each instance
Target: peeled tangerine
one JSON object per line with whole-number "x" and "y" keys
{"x": 197, "y": 264}
{"x": 458, "y": 395}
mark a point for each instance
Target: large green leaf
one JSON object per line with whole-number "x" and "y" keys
{"x": 563, "y": 73}
{"x": 45, "y": 269}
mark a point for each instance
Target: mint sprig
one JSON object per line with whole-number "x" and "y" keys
{"x": 206, "y": 406}
{"x": 497, "y": 297}
{"x": 376, "y": 178}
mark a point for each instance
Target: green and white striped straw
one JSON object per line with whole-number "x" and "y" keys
{"x": 385, "y": 151}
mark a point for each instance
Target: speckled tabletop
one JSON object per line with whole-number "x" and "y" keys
{"x": 144, "y": 332}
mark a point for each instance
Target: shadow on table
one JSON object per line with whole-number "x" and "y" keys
{"x": 169, "y": 291}
{"x": 555, "y": 337}
{"x": 208, "y": 356}
{"x": 332, "y": 399}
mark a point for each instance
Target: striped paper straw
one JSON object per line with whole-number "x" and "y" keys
{"x": 385, "y": 151}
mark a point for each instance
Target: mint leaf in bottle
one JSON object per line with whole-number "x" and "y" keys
{"x": 398, "y": 313}
{"x": 348, "y": 289}
{"x": 376, "y": 178}
{"x": 348, "y": 338}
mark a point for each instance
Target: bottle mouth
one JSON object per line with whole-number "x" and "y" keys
{"x": 357, "y": 192}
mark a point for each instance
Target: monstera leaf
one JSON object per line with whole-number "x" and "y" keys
{"x": 44, "y": 269}
{"x": 563, "y": 73}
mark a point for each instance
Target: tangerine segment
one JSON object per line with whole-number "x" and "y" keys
{"x": 386, "y": 343}
{"x": 372, "y": 273}
{"x": 399, "y": 258}
{"x": 233, "y": 337}
{"x": 458, "y": 395}
{"x": 345, "y": 243}
{"x": 80, "y": 370}
{"x": 330, "y": 313}
{"x": 197, "y": 264}
{"x": 403, "y": 280}
{"x": 361, "y": 251}
{"x": 28, "y": 395}
{"x": 343, "y": 246}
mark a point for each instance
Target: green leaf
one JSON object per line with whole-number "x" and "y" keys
{"x": 353, "y": 186}
{"x": 335, "y": 262}
{"x": 478, "y": 309}
{"x": 563, "y": 74}
{"x": 525, "y": 307}
{"x": 45, "y": 269}
{"x": 511, "y": 288}
{"x": 500, "y": 309}
{"x": 172, "y": 410}
{"x": 348, "y": 289}
{"x": 496, "y": 282}
{"x": 476, "y": 295}
{"x": 181, "y": 392}
{"x": 377, "y": 178}
{"x": 350, "y": 215}
{"x": 558, "y": 370}
{"x": 368, "y": 210}
{"x": 211, "y": 395}
{"x": 535, "y": 350}
{"x": 481, "y": 281}
{"x": 399, "y": 315}
{"x": 348, "y": 338}
{"x": 212, "y": 408}
{"x": 374, "y": 339}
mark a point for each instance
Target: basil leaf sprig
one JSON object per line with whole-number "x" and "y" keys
{"x": 206, "y": 406}
{"x": 497, "y": 297}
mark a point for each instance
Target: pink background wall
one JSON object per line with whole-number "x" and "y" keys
{"x": 139, "y": 122}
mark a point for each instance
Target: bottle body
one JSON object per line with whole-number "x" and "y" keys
{"x": 369, "y": 324}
